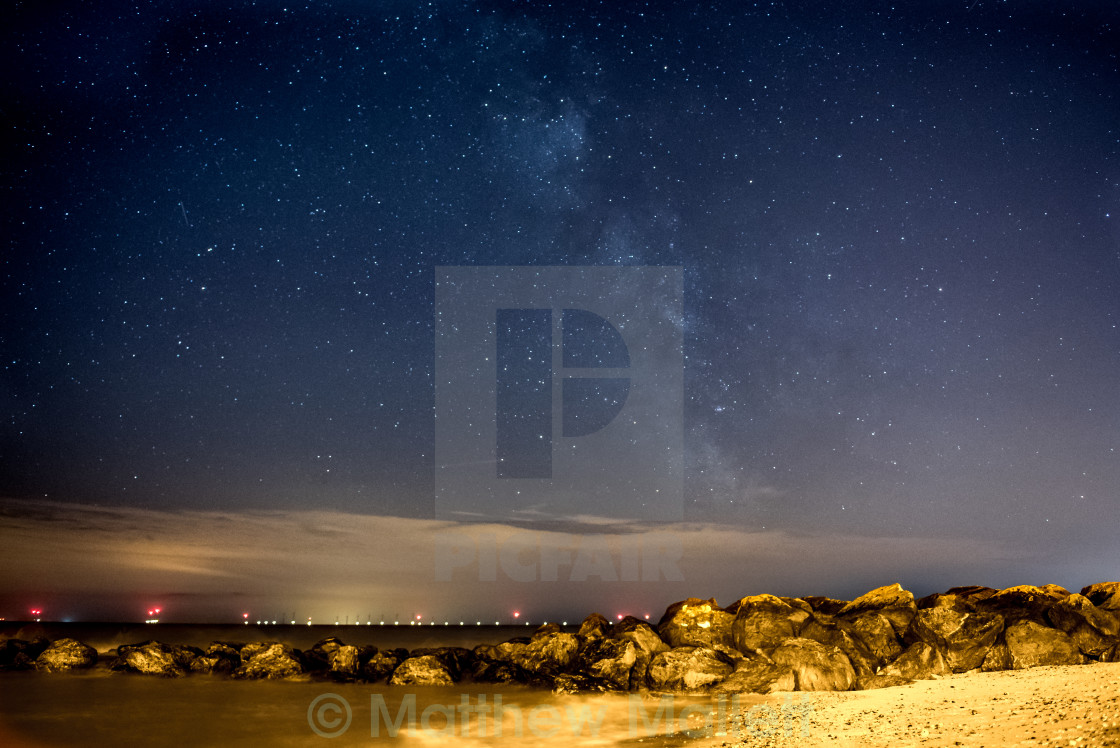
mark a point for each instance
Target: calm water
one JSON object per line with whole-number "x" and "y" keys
{"x": 100, "y": 708}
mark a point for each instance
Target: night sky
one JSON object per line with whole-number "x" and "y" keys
{"x": 898, "y": 230}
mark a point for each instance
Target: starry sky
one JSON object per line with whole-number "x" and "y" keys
{"x": 898, "y": 229}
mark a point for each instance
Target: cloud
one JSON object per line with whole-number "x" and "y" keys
{"x": 326, "y": 564}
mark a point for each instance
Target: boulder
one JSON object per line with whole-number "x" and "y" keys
{"x": 149, "y": 658}
{"x": 382, "y": 664}
{"x": 609, "y": 661}
{"x": 1105, "y": 595}
{"x": 1092, "y": 629}
{"x": 646, "y": 643}
{"x": 595, "y": 626}
{"x": 20, "y": 654}
{"x": 831, "y": 635}
{"x": 920, "y": 661}
{"x": 756, "y": 675}
{"x": 688, "y": 668}
{"x": 274, "y": 661}
{"x": 573, "y": 683}
{"x": 552, "y": 652}
{"x": 696, "y": 623}
{"x": 1031, "y": 644}
{"x": 876, "y": 634}
{"x": 317, "y": 658}
{"x": 486, "y": 670}
{"x": 66, "y": 654}
{"x": 825, "y": 605}
{"x": 997, "y": 658}
{"x": 218, "y": 659}
{"x": 972, "y": 593}
{"x": 891, "y": 601}
{"x": 816, "y": 667}
{"x": 425, "y": 670}
{"x": 763, "y": 621}
{"x": 344, "y": 663}
{"x": 964, "y": 637}
{"x": 457, "y": 660}
{"x": 1112, "y": 654}
{"x": 1021, "y": 603}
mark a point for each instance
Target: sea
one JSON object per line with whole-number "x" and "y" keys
{"x": 99, "y": 708}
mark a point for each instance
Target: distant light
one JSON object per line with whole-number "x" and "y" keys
{"x": 620, "y": 616}
{"x": 647, "y": 616}
{"x": 516, "y": 614}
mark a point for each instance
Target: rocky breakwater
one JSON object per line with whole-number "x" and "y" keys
{"x": 758, "y": 644}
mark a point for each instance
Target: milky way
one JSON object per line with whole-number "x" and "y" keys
{"x": 897, "y": 227}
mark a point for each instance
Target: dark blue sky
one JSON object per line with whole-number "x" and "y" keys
{"x": 899, "y": 230}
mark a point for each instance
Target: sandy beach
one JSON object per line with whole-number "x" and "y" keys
{"x": 1076, "y": 705}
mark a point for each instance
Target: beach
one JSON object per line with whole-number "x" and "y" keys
{"x": 1072, "y": 705}
{"x": 1068, "y": 706}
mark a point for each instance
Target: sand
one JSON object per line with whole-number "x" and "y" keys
{"x": 1075, "y": 705}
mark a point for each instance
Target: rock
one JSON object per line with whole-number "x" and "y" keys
{"x": 426, "y": 670}
{"x": 963, "y": 636}
{"x": 646, "y": 643}
{"x": 344, "y": 663}
{"x": 569, "y": 683}
{"x": 594, "y": 626}
{"x": 20, "y": 654}
{"x": 816, "y": 667}
{"x": 273, "y": 661}
{"x": 457, "y": 660}
{"x": 920, "y": 661}
{"x": 758, "y": 676}
{"x": 831, "y": 635}
{"x": 609, "y": 661}
{"x": 763, "y": 621}
{"x": 317, "y": 659}
{"x": 547, "y": 628}
{"x": 1091, "y": 628}
{"x": 1022, "y": 603}
{"x": 696, "y": 623}
{"x": 382, "y": 664}
{"x": 218, "y": 659}
{"x": 149, "y": 658}
{"x": 552, "y": 652}
{"x": 825, "y": 605}
{"x": 66, "y": 654}
{"x": 688, "y": 668}
{"x": 892, "y": 602}
{"x": 486, "y": 670}
{"x": 876, "y": 634}
{"x": 997, "y": 658}
{"x": 1032, "y": 644}
{"x": 1112, "y": 654}
{"x": 1104, "y": 595}
{"x": 640, "y": 633}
